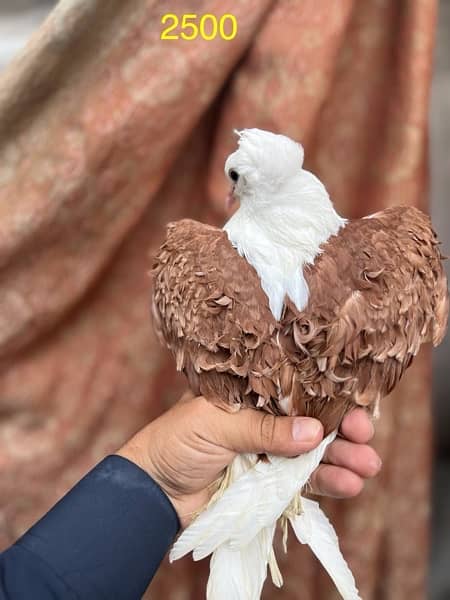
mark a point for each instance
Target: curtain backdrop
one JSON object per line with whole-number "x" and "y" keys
{"x": 106, "y": 134}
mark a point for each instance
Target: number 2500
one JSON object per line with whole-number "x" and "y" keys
{"x": 208, "y": 28}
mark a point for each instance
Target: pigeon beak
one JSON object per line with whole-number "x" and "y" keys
{"x": 230, "y": 199}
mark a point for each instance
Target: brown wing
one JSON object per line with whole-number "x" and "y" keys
{"x": 209, "y": 307}
{"x": 377, "y": 292}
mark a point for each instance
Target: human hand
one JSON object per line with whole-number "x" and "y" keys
{"x": 186, "y": 449}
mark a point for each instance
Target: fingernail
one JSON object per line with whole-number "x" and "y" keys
{"x": 376, "y": 464}
{"x": 305, "y": 429}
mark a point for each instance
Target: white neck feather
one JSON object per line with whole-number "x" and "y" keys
{"x": 280, "y": 234}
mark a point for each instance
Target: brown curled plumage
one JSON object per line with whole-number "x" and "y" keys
{"x": 377, "y": 291}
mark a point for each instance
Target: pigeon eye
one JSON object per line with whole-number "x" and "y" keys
{"x": 234, "y": 175}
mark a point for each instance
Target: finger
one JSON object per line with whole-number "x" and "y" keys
{"x": 357, "y": 426}
{"x": 359, "y": 458}
{"x": 337, "y": 482}
{"x": 254, "y": 431}
{"x": 187, "y": 395}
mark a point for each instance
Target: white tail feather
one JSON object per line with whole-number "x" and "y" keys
{"x": 313, "y": 528}
{"x": 239, "y": 525}
{"x": 240, "y": 574}
{"x": 255, "y": 500}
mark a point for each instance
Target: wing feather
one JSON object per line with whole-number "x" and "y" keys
{"x": 377, "y": 292}
{"x": 214, "y": 316}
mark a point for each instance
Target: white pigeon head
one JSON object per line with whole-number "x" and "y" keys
{"x": 263, "y": 162}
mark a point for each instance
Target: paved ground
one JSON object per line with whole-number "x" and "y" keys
{"x": 18, "y": 19}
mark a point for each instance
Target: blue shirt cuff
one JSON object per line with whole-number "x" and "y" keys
{"x": 108, "y": 535}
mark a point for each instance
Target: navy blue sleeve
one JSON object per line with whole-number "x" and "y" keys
{"x": 103, "y": 540}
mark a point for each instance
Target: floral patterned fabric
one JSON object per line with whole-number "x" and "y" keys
{"x": 106, "y": 133}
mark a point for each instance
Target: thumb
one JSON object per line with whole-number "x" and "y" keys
{"x": 254, "y": 431}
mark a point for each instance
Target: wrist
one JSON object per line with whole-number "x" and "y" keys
{"x": 136, "y": 451}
